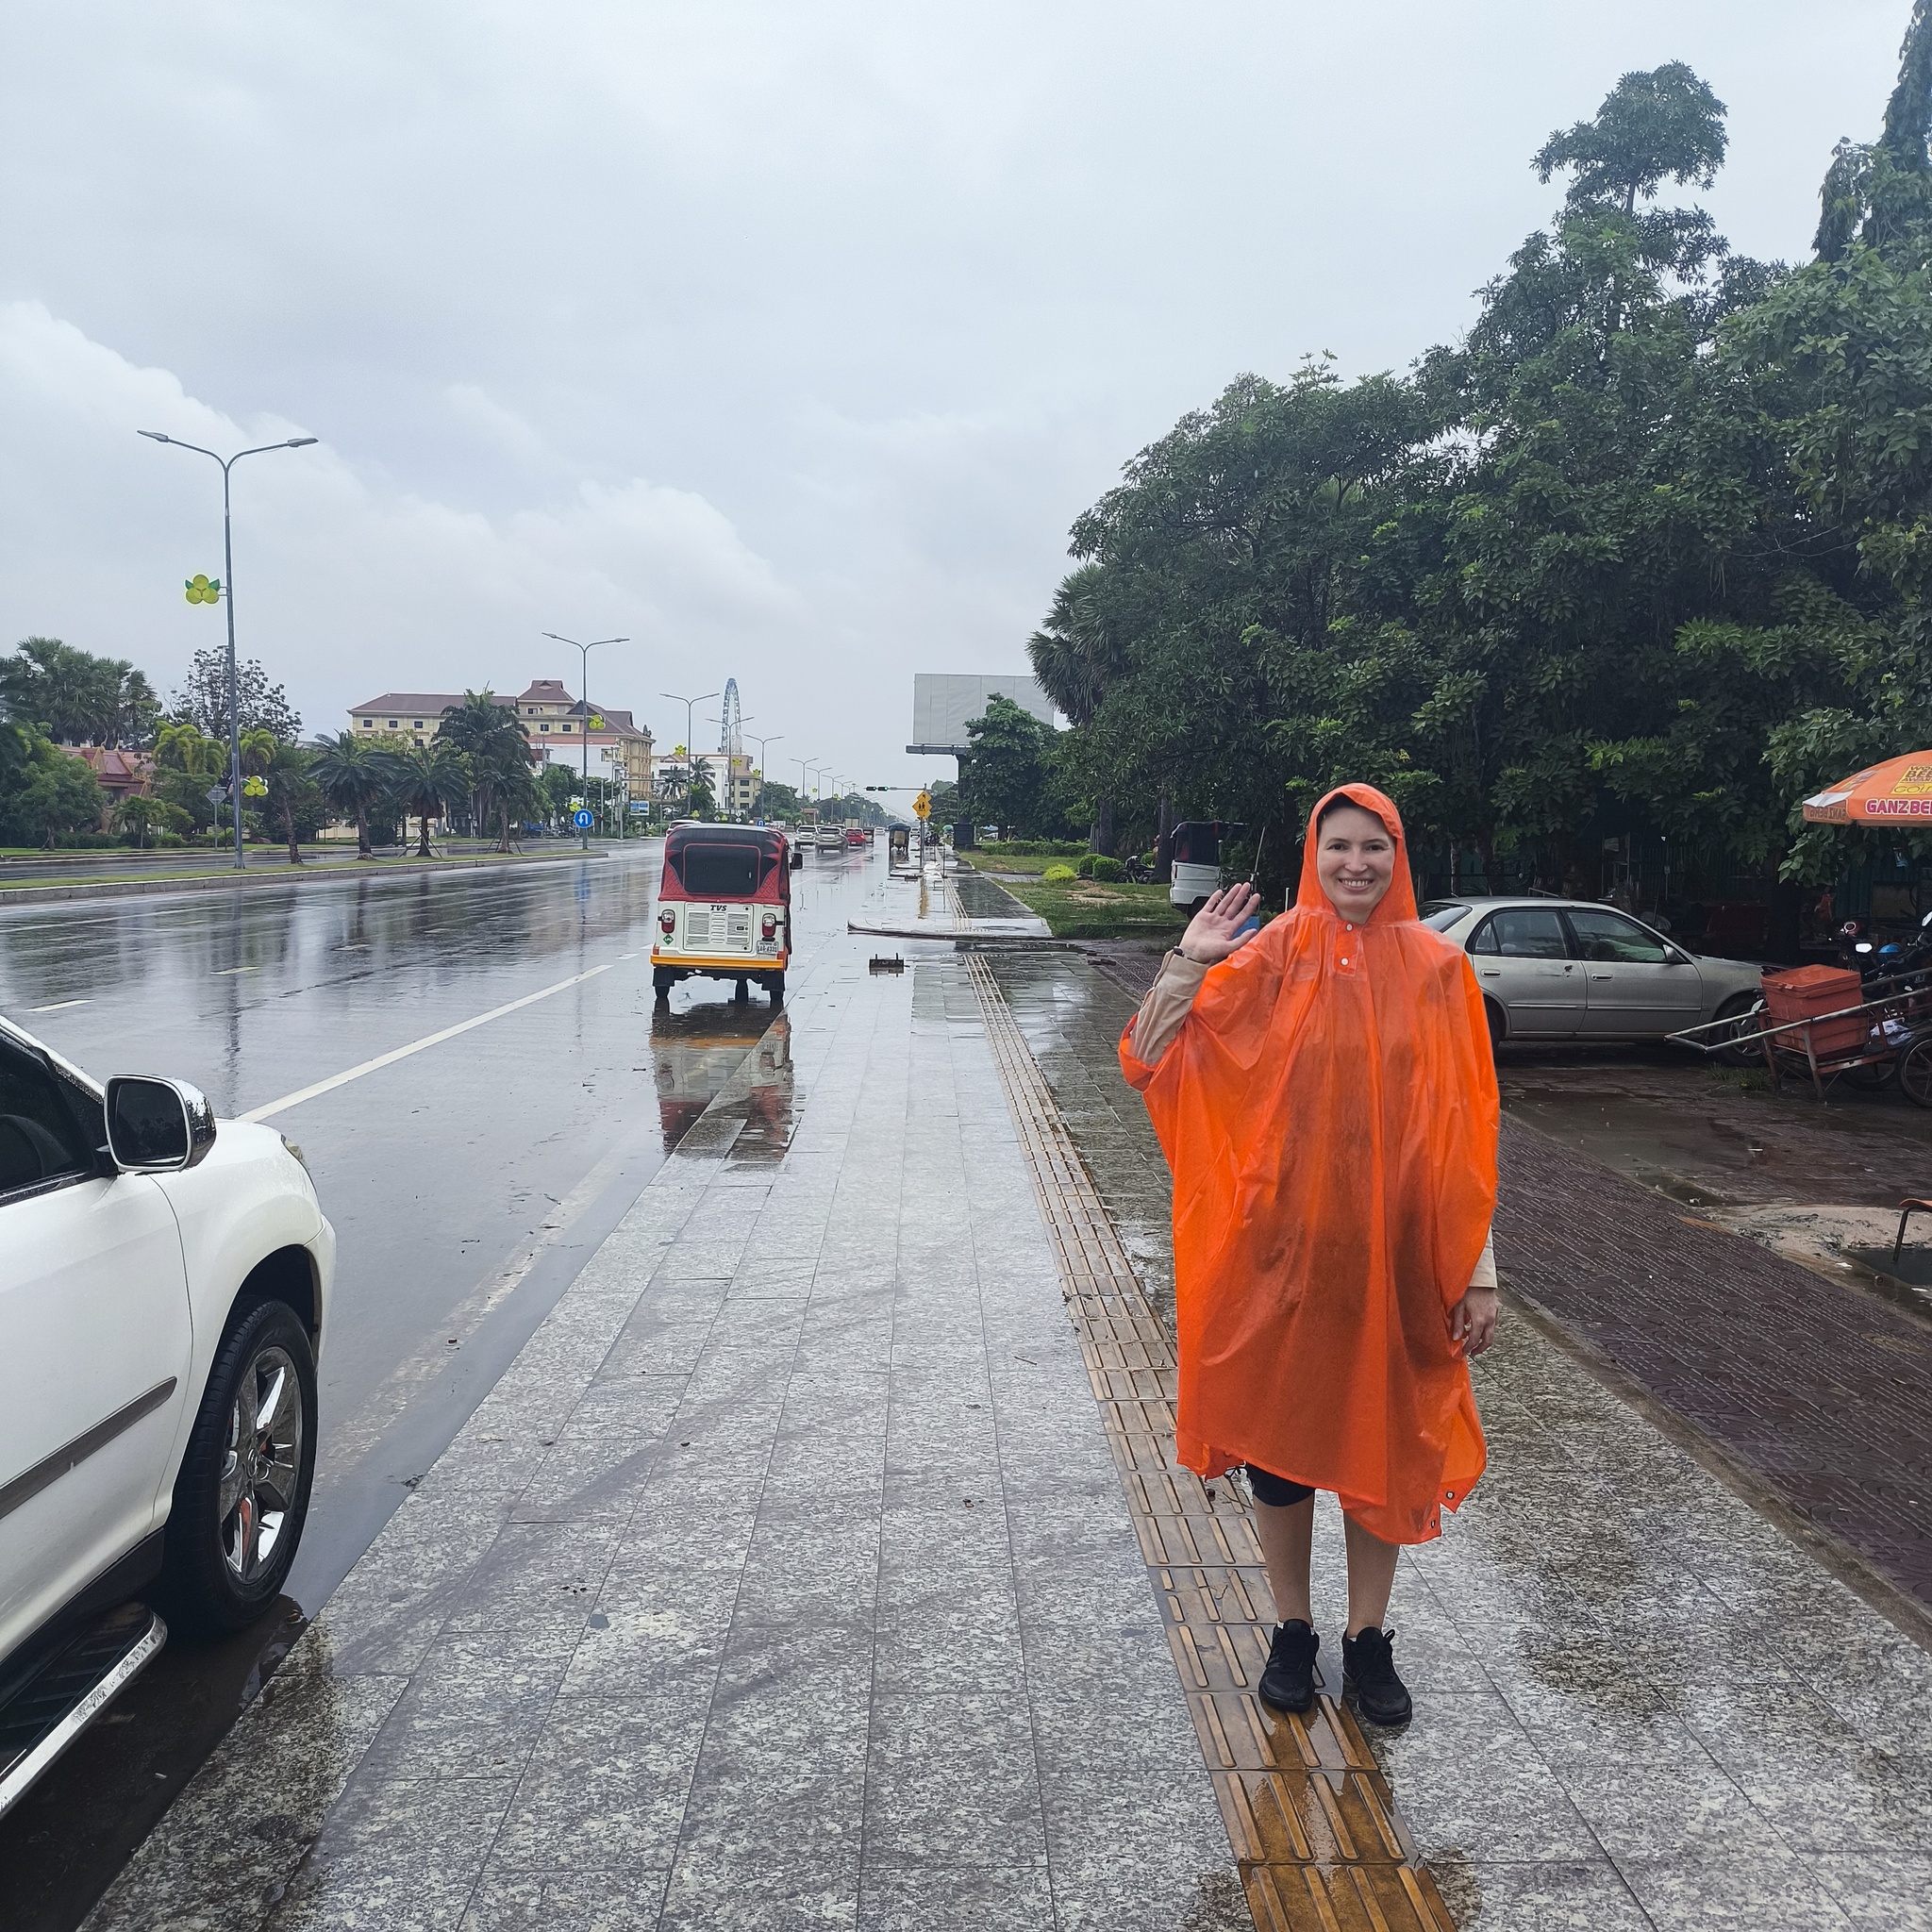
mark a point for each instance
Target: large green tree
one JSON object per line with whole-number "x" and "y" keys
{"x": 77, "y": 697}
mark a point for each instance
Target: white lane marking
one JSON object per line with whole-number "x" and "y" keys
{"x": 60, "y": 1005}
{"x": 403, "y": 1053}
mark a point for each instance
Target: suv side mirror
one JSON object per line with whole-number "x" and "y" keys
{"x": 158, "y": 1127}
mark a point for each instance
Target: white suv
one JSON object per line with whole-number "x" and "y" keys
{"x": 162, "y": 1290}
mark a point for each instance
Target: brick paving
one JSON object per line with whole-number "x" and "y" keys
{"x": 1823, "y": 1390}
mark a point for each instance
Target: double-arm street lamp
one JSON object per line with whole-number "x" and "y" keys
{"x": 691, "y": 763}
{"x": 228, "y": 463}
{"x": 584, "y": 661}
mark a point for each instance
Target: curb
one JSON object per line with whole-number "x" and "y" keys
{"x": 288, "y": 876}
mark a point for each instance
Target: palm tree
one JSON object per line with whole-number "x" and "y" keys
{"x": 505, "y": 783}
{"x": 293, "y": 794}
{"x": 425, "y": 780}
{"x": 492, "y": 736}
{"x": 1078, "y": 654}
{"x": 354, "y": 776}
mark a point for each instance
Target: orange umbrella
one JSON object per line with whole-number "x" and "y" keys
{"x": 1900, "y": 789}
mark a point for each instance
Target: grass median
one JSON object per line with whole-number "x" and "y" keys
{"x": 1087, "y": 910}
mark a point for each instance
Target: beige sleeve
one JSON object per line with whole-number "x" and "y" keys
{"x": 1166, "y": 1004}
{"x": 1485, "y": 1275}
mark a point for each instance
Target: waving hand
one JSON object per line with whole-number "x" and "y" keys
{"x": 1215, "y": 931}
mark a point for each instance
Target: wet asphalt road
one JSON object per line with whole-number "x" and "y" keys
{"x": 467, "y": 1184}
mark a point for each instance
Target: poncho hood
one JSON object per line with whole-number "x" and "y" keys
{"x": 1330, "y": 1112}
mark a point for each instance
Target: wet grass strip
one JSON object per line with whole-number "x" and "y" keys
{"x": 1311, "y": 1817}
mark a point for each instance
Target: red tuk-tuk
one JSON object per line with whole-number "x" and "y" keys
{"x": 724, "y": 908}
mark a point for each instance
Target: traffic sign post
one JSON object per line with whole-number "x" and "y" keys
{"x": 583, "y": 821}
{"x": 921, "y": 806}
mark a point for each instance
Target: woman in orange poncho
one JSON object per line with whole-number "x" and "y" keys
{"x": 1326, "y": 1093}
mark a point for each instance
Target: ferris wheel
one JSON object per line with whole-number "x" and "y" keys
{"x": 729, "y": 740}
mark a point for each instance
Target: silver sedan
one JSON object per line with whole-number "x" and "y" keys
{"x": 1569, "y": 969}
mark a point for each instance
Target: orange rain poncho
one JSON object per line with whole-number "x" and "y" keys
{"x": 1330, "y": 1112}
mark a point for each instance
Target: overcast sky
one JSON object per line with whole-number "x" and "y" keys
{"x": 785, "y": 337}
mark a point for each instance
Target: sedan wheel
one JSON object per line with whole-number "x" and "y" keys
{"x": 242, "y": 1493}
{"x": 1742, "y": 1049}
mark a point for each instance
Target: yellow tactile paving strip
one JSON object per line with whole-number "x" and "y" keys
{"x": 1309, "y": 1815}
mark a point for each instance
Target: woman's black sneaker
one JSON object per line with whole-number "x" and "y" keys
{"x": 1369, "y": 1681}
{"x": 1288, "y": 1682}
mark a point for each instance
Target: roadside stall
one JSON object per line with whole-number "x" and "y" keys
{"x": 1865, "y": 1023}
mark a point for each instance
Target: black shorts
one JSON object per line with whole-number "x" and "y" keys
{"x": 1275, "y": 1491}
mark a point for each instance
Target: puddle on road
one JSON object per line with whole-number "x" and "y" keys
{"x": 697, "y": 1048}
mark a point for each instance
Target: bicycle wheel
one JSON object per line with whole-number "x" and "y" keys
{"x": 1915, "y": 1072}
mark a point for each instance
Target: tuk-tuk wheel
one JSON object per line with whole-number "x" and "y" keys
{"x": 775, "y": 985}
{"x": 743, "y": 991}
{"x": 662, "y": 981}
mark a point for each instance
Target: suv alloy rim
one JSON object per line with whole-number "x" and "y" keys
{"x": 262, "y": 1465}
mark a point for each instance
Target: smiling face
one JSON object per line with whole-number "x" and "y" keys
{"x": 1354, "y": 859}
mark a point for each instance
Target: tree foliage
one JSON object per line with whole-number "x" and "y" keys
{"x": 77, "y": 697}
{"x": 1649, "y": 550}
{"x": 203, "y": 699}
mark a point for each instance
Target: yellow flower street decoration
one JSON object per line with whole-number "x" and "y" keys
{"x": 255, "y": 788}
{"x": 203, "y": 589}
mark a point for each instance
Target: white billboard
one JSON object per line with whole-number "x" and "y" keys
{"x": 944, "y": 702}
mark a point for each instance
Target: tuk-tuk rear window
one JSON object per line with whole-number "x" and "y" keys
{"x": 710, "y": 870}
{"x": 1196, "y": 844}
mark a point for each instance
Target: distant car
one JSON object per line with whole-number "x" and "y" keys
{"x": 163, "y": 1291}
{"x": 1568, "y": 969}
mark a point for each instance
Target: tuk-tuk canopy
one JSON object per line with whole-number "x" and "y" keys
{"x": 738, "y": 864}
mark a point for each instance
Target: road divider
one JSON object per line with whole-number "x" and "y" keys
{"x": 415, "y": 1046}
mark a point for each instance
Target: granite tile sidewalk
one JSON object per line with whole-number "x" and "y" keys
{"x": 785, "y": 1579}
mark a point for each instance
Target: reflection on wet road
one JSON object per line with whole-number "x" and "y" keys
{"x": 468, "y": 1183}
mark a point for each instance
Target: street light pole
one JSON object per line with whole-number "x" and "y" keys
{"x": 761, "y": 743}
{"x": 584, "y": 651}
{"x": 690, "y": 756}
{"x": 228, "y": 463}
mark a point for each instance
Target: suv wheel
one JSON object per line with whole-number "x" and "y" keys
{"x": 242, "y": 1495}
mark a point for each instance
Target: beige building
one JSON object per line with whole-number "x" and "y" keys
{"x": 614, "y": 746}
{"x": 738, "y": 785}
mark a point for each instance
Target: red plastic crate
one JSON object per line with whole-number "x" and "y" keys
{"x": 1810, "y": 989}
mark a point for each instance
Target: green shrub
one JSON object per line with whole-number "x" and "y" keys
{"x": 1034, "y": 848}
{"x": 1098, "y": 865}
{"x": 1059, "y": 874}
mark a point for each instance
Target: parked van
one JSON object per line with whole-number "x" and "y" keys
{"x": 1197, "y": 860}
{"x": 724, "y": 908}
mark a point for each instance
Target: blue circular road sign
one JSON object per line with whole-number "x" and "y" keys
{"x": 583, "y": 821}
